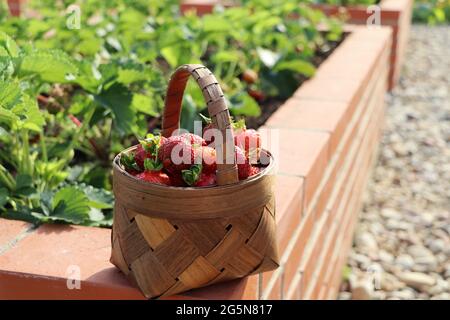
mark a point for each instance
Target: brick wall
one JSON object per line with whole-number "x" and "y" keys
{"x": 329, "y": 131}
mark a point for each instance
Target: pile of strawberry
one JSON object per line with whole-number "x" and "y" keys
{"x": 152, "y": 160}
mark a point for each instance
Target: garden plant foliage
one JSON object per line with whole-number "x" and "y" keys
{"x": 424, "y": 11}
{"x": 76, "y": 89}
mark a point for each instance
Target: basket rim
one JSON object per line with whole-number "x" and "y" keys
{"x": 266, "y": 170}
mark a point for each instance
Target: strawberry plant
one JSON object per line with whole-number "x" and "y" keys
{"x": 35, "y": 177}
{"x": 72, "y": 98}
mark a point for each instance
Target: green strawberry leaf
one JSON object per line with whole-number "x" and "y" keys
{"x": 70, "y": 205}
{"x": 9, "y": 44}
{"x": 117, "y": 98}
{"x": 9, "y": 94}
{"x": 50, "y": 65}
{"x": 300, "y": 66}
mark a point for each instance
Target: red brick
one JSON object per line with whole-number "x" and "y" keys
{"x": 272, "y": 284}
{"x": 10, "y": 229}
{"x": 289, "y": 206}
{"x": 329, "y": 116}
{"x": 299, "y": 153}
{"x": 297, "y": 253}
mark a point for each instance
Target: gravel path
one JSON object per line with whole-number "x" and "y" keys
{"x": 401, "y": 247}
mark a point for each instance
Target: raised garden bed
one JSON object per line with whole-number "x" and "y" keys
{"x": 333, "y": 119}
{"x": 394, "y": 13}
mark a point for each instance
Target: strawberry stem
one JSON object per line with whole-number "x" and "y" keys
{"x": 192, "y": 175}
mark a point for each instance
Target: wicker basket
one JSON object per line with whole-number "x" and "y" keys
{"x": 170, "y": 239}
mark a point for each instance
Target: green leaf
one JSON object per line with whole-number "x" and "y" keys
{"x": 7, "y": 116}
{"x": 118, "y": 99}
{"x": 70, "y": 205}
{"x": 21, "y": 213}
{"x": 245, "y": 105}
{"x": 9, "y": 93}
{"x": 214, "y": 23}
{"x": 299, "y": 66}
{"x": 98, "y": 198}
{"x": 50, "y": 65}
{"x": 23, "y": 180}
{"x": 128, "y": 76}
{"x": 227, "y": 56}
{"x": 171, "y": 54}
{"x": 9, "y": 44}
{"x": 3, "y": 196}
{"x": 145, "y": 104}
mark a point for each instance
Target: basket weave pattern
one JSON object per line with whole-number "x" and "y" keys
{"x": 168, "y": 240}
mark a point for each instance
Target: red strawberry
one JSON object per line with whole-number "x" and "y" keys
{"x": 207, "y": 135}
{"x": 176, "y": 154}
{"x": 250, "y": 141}
{"x": 176, "y": 180}
{"x": 208, "y": 125}
{"x": 156, "y": 177}
{"x": 129, "y": 163}
{"x": 258, "y": 95}
{"x": 194, "y": 139}
{"x": 244, "y": 167}
{"x": 140, "y": 155}
{"x": 254, "y": 171}
{"x": 208, "y": 160}
{"x": 148, "y": 149}
{"x": 206, "y": 179}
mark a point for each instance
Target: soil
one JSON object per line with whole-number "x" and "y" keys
{"x": 270, "y": 105}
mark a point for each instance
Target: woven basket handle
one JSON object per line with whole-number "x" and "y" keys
{"x": 217, "y": 109}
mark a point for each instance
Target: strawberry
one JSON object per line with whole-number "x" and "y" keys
{"x": 208, "y": 125}
{"x": 148, "y": 149}
{"x": 129, "y": 163}
{"x": 156, "y": 177}
{"x": 249, "y": 76}
{"x": 177, "y": 154}
{"x": 209, "y": 159}
{"x": 258, "y": 95}
{"x": 206, "y": 180}
{"x": 176, "y": 180}
{"x": 194, "y": 139}
{"x": 244, "y": 167}
{"x": 254, "y": 171}
{"x": 250, "y": 141}
{"x": 208, "y": 136}
{"x": 140, "y": 155}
